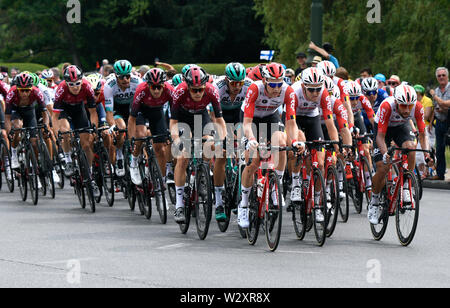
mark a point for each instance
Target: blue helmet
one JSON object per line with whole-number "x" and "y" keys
{"x": 380, "y": 77}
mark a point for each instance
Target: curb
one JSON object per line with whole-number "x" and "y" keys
{"x": 436, "y": 184}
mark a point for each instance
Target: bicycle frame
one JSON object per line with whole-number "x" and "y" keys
{"x": 398, "y": 182}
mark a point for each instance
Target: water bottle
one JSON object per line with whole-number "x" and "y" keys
{"x": 260, "y": 185}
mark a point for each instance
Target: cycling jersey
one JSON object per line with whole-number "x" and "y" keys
{"x": 259, "y": 105}
{"x": 182, "y": 101}
{"x": 225, "y": 101}
{"x": 3, "y": 89}
{"x": 340, "y": 83}
{"x": 362, "y": 103}
{"x": 63, "y": 97}
{"x": 47, "y": 95}
{"x": 143, "y": 99}
{"x": 388, "y": 116}
{"x": 13, "y": 101}
{"x": 340, "y": 114}
{"x": 311, "y": 109}
{"x": 381, "y": 96}
{"x": 118, "y": 100}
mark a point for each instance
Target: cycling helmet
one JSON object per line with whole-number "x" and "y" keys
{"x": 255, "y": 73}
{"x": 329, "y": 84}
{"x": 273, "y": 71}
{"x": 43, "y": 82}
{"x": 186, "y": 68}
{"x": 155, "y": 76}
{"x": 369, "y": 84}
{"x": 2, "y": 76}
{"x": 24, "y": 81}
{"x": 95, "y": 81}
{"x": 380, "y": 77}
{"x": 248, "y": 70}
{"x": 353, "y": 89}
{"x": 235, "y": 71}
{"x": 35, "y": 79}
{"x": 47, "y": 74}
{"x": 419, "y": 89}
{"x": 122, "y": 67}
{"x": 196, "y": 76}
{"x": 312, "y": 76}
{"x": 405, "y": 95}
{"x": 177, "y": 79}
{"x": 73, "y": 73}
{"x": 327, "y": 68}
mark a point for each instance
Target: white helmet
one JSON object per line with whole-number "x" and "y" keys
{"x": 369, "y": 84}
{"x": 312, "y": 76}
{"x": 353, "y": 89}
{"x": 327, "y": 68}
{"x": 336, "y": 93}
{"x": 47, "y": 74}
{"x": 329, "y": 84}
{"x": 405, "y": 95}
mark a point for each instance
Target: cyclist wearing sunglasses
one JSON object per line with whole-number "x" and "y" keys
{"x": 70, "y": 99}
{"x": 261, "y": 107}
{"x": 119, "y": 92}
{"x": 232, "y": 89}
{"x": 190, "y": 101}
{"x": 21, "y": 102}
{"x": 148, "y": 107}
{"x": 375, "y": 95}
{"x": 393, "y": 123}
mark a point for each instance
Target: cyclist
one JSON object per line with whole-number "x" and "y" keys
{"x": 70, "y": 98}
{"x": 119, "y": 91}
{"x": 329, "y": 69}
{"x": 176, "y": 80}
{"x": 21, "y": 102}
{"x": 148, "y": 103}
{"x": 190, "y": 100}
{"x": 261, "y": 106}
{"x": 232, "y": 89}
{"x": 4, "y": 88}
{"x": 392, "y": 122}
{"x": 312, "y": 96}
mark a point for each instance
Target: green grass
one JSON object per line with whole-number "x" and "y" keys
{"x": 447, "y": 157}
{"x": 211, "y": 68}
{"x": 32, "y": 67}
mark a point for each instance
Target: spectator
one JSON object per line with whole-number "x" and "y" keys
{"x": 14, "y": 72}
{"x": 342, "y": 73}
{"x": 143, "y": 69}
{"x": 56, "y": 75}
{"x": 170, "y": 73}
{"x": 65, "y": 65}
{"x": 105, "y": 62}
{"x": 301, "y": 60}
{"x": 325, "y": 52}
{"x": 365, "y": 73}
{"x": 290, "y": 76}
{"x": 441, "y": 103}
{"x": 165, "y": 66}
{"x": 315, "y": 61}
{"x": 394, "y": 81}
{"x": 107, "y": 70}
{"x": 381, "y": 80}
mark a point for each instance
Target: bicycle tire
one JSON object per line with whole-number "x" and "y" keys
{"x": 131, "y": 196}
{"x": 333, "y": 211}
{"x": 419, "y": 181}
{"x": 253, "y": 216}
{"x": 379, "y": 230}
{"x": 6, "y": 155}
{"x": 47, "y": 170}
{"x": 227, "y": 200}
{"x": 79, "y": 191}
{"x": 58, "y": 164}
{"x": 22, "y": 182}
{"x": 367, "y": 192}
{"x": 203, "y": 200}
{"x": 320, "y": 228}
{"x": 406, "y": 238}
{"x": 158, "y": 188}
{"x": 356, "y": 193}
{"x": 107, "y": 176}
{"x": 87, "y": 182}
{"x": 273, "y": 216}
{"x": 32, "y": 174}
{"x": 144, "y": 191}
{"x": 184, "y": 227}
{"x": 344, "y": 205}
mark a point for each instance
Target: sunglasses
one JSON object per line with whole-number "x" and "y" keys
{"x": 392, "y": 84}
{"x": 354, "y": 98}
{"x": 74, "y": 84}
{"x": 274, "y": 85}
{"x": 443, "y": 75}
{"x": 122, "y": 77}
{"x": 312, "y": 90}
{"x": 197, "y": 90}
{"x": 26, "y": 90}
{"x": 370, "y": 93}
{"x": 156, "y": 87}
{"x": 236, "y": 83}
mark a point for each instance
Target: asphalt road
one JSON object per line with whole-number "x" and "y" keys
{"x": 58, "y": 244}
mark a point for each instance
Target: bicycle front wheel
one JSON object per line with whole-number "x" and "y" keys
{"x": 253, "y": 216}
{"x": 320, "y": 208}
{"x": 87, "y": 182}
{"x": 407, "y": 214}
{"x": 379, "y": 230}
{"x": 158, "y": 187}
{"x": 32, "y": 174}
{"x": 343, "y": 187}
{"x": 203, "y": 200}
{"x": 332, "y": 199}
{"x": 273, "y": 212}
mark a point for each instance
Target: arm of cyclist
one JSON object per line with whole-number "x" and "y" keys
{"x": 249, "y": 111}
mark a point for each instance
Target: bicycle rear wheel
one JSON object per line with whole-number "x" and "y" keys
{"x": 203, "y": 200}
{"x": 273, "y": 212}
{"x": 47, "y": 170}
{"x": 320, "y": 227}
{"x": 227, "y": 200}
{"x": 407, "y": 215}
{"x": 158, "y": 188}
{"x": 333, "y": 202}
{"x": 344, "y": 204}
{"x": 419, "y": 181}
{"x": 6, "y": 165}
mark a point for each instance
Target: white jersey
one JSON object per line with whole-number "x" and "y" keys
{"x": 114, "y": 95}
{"x": 308, "y": 108}
{"x": 225, "y": 100}
{"x": 259, "y": 105}
{"x": 47, "y": 95}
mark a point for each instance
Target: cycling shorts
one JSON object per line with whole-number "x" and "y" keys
{"x": 76, "y": 115}
{"x": 398, "y": 134}
{"x": 156, "y": 121}
{"x": 265, "y": 127}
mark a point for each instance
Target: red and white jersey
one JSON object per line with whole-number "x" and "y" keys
{"x": 388, "y": 116}
{"x": 340, "y": 83}
{"x": 339, "y": 113}
{"x": 312, "y": 109}
{"x": 258, "y": 105}
{"x": 362, "y": 103}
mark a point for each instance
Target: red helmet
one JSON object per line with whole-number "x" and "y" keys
{"x": 255, "y": 73}
{"x": 274, "y": 71}
{"x": 155, "y": 76}
{"x": 73, "y": 73}
{"x": 24, "y": 81}
{"x": 196, "y": 76}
